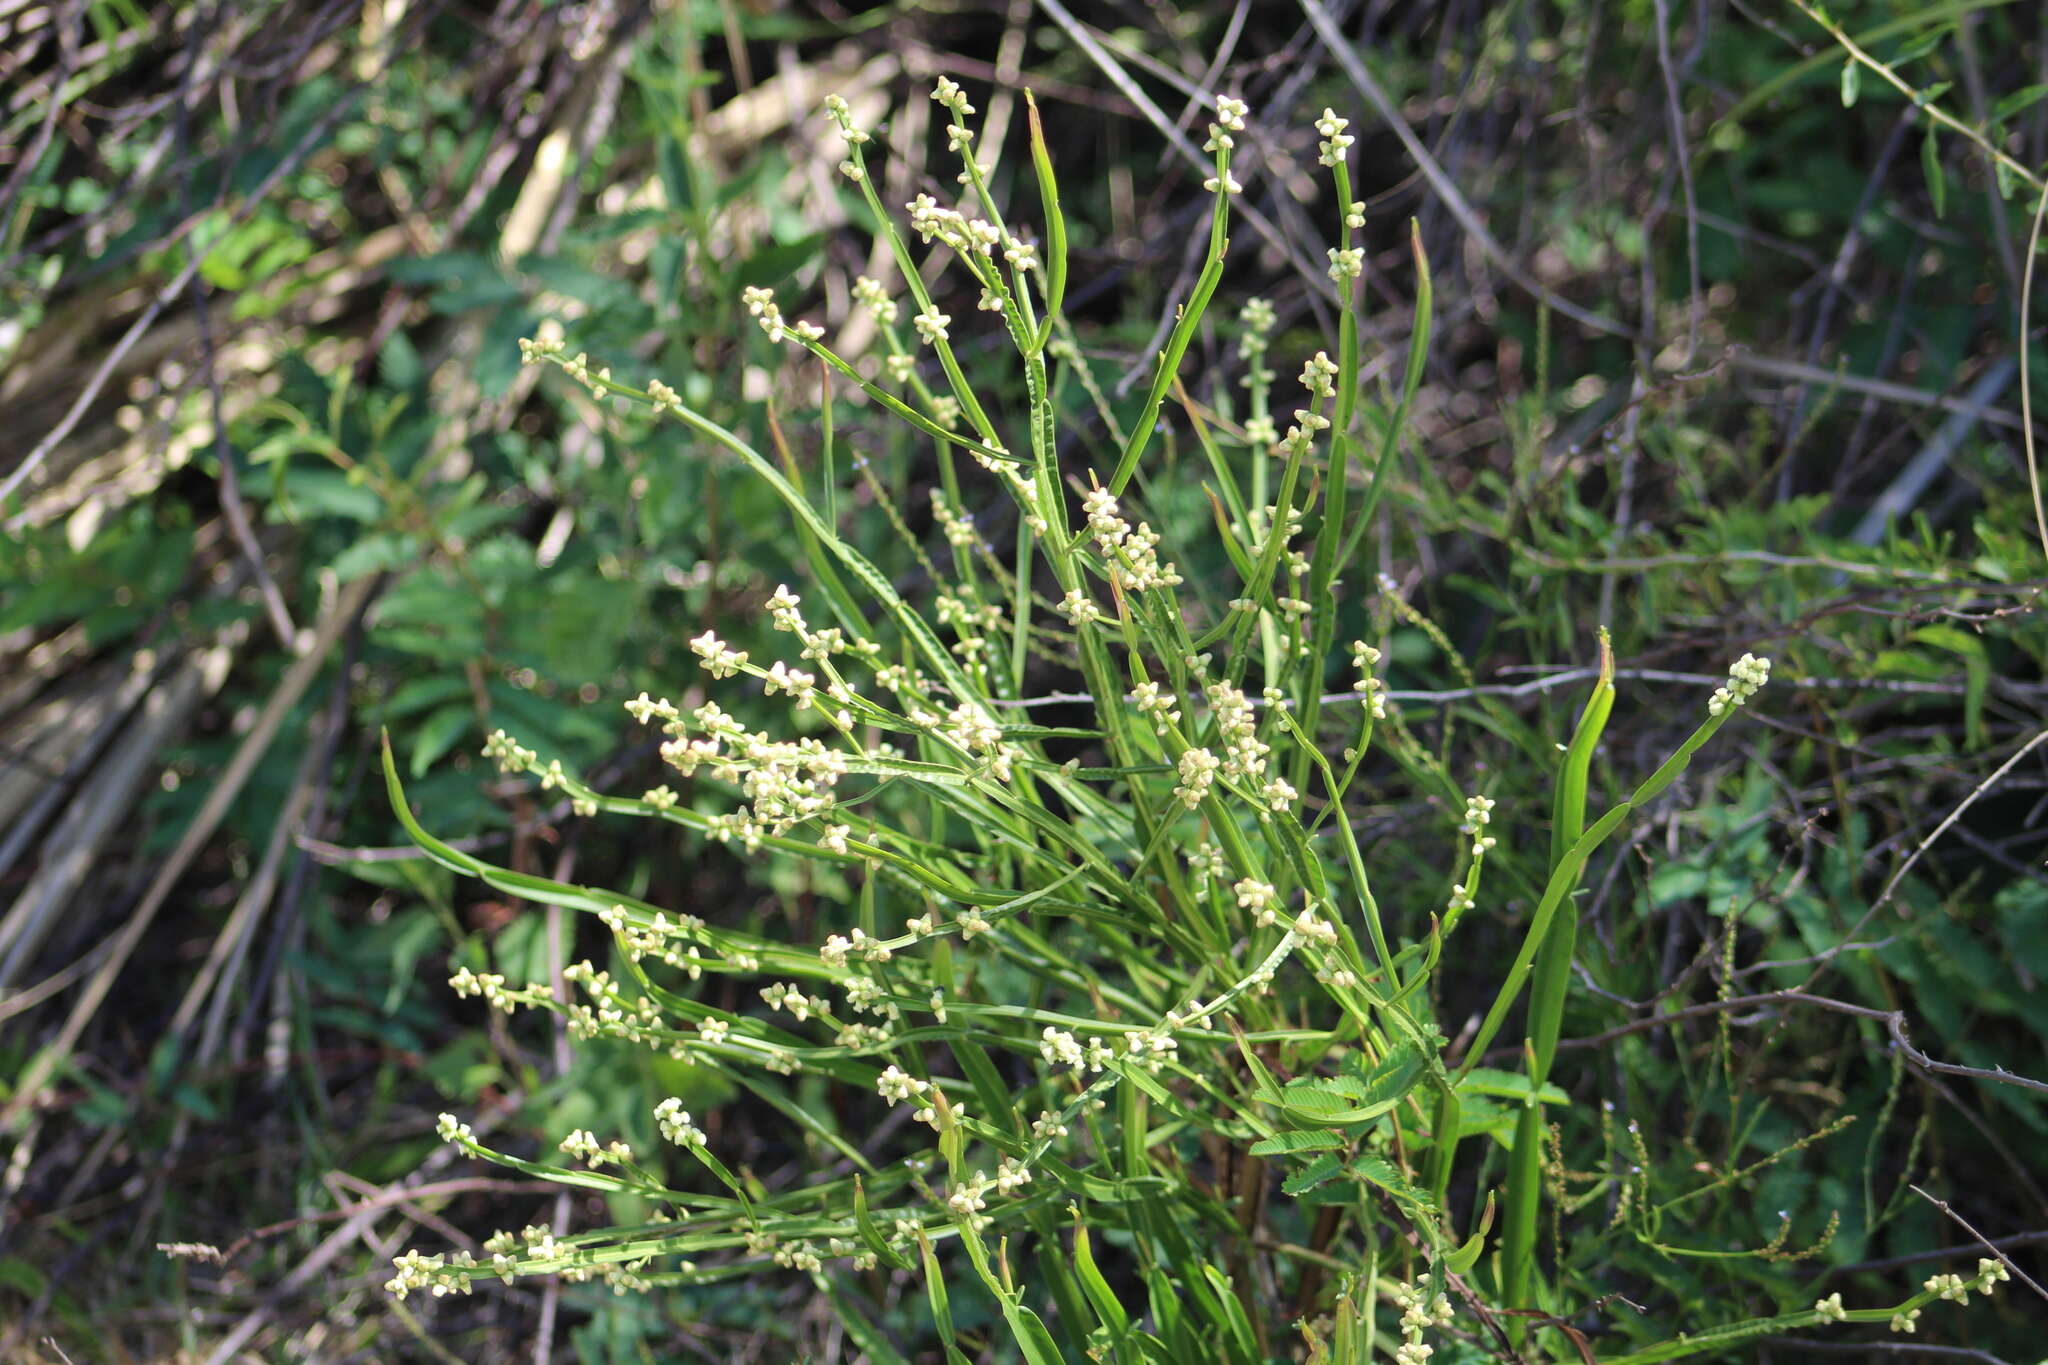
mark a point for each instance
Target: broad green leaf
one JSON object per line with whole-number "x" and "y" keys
{"x": 1315, "y": 1173}
{"x": 1297, "y": 1140}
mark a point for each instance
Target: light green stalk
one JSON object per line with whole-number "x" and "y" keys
{"x": 1551, "y": 981}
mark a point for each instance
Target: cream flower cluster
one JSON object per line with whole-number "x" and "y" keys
{"x": 900, "y": 1087}
{"x": 1365, "y": 659}
{"x": 1078, "y": 608}
{"x": 543, "y": 350}
{"x": 1060, "y": 1048}
{"x": 508, "y": 753}
{"x": 1230, "y": 116}
{"x": 761, "y": 305}
{"x": 495, "y": 993}
{"x": 1197, "y": 768}
{"x": 1335, "y": 141}
{"x": 1157, "y": 704}
{"x": 1256, "y": 319}
{"x": 1318, "y": 376}
{"x": 1746, "y": 677}
{"x": 841, "y": 114}
{"x": 1478, "y": 815}
{"x": 975, "y": 239}
{"x": 1237, "y": 725}
{"x": 451, "y": 1274}
{"x": 674, "y": 1122}
{"x": 786, "y": 782}
{"x": 1947, "y": 1286}
{"x": 583, "y": 1145}
{"x": 439, "y": 1275}
{"x": 869, "y": 293}
{"x": 1130, "y": 557}
{"x": 1417, "y": 1317}
{"x": 958, "y": 526}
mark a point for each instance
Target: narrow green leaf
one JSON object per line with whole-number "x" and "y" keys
{"x": 935, "y": 1291}
{"x": 1032, "y": 1339}
{"x": 1101, "y": 1297}
{"x": 1930, "y": 166}
{"x": 1466, "y": 1256}
{"x": 2022, "y": 99}
{"x": 1055, "y": 221}
{"x": 871, "y": 1233}
{"x": 1234, "y": 1321}
{"x": 859, "y": 1330}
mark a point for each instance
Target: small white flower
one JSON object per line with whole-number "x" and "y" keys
{"x": 1951, "y": 1287}
{"x": 1315, "y": 929}
{"x": 1059, "y": 1047}
{"x": 841, "y": 113}
{"x": 644, "y": 708}
{"x": 1335, "y": 139}
{"x": 870, "y": 294}
{"x": 897, "y": 1085}
{"x": 949, "y": 94}
{"x": 1746, "y": 677}
{"x": 675, "y": 1125}
{"x": 794, "y": 681}
{"x": 1047, "y": 1126}
{"x": 1318, "y": 376}
{"x": 931, "y": 324}
{"x": 1011, "y": 1175}
{"x": 719, "y": 661}
{"x": 1078, "y": 609}
{"x": 508, "y": 753}
{"x": 1197, "y": 774}
{"x": 1157, "y": 703}
{"x": 966, "y": 1197}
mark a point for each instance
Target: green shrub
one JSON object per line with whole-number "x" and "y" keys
{"x": 1107, "y": 1035}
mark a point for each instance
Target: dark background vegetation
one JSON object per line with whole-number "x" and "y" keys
{"x": 278, "y": 482}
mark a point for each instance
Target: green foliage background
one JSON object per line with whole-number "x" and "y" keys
{"x": 375, "y": 205}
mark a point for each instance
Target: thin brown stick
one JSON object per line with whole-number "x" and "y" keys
{"x": 1440, "y": 181}
{"x": 473, "y": 1184}
{"x": 29, "y": 1089}
{"x": 2011, "y": 1266}
{"x": 1893, "y": 1020}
